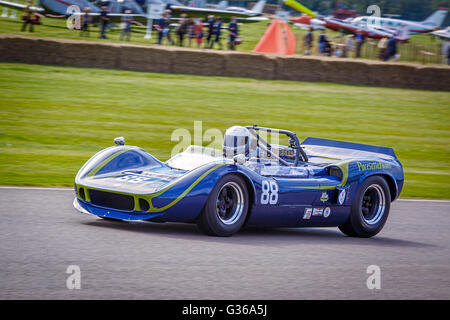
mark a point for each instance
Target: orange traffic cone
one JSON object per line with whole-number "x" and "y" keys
{"x": 278, "y": 39}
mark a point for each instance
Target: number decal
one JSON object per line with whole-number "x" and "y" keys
{"x": 269, "y": 194}
{"x": 273, "y": 192}
{"x": 132, "y": 179}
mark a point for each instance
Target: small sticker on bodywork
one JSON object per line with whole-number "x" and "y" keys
{"x": 326, "y": 212}
{"x": 308, "y": 212}
{"x": 341, "y": 197}
{"x": 317, "y": 211}
{"x": 324, "y": 197}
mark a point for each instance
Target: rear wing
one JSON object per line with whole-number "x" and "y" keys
{"x": 343, "y": 150}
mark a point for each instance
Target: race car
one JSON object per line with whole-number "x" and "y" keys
{"x": 250, "y": 182}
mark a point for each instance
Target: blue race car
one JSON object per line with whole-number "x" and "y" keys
{"x": 318, "y": 183}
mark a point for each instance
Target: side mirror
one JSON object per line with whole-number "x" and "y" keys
{"x": 240, "y": 158}
{"x": 120, "y": 141}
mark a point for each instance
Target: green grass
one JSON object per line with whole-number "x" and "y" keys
{"x": 53, "y": 119}
{"x": 56, "y": 28}
{"x": 250, "y": 33}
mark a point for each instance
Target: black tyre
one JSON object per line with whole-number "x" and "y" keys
{"x": 370, "y": 209}
{"x": 226, "y": 208}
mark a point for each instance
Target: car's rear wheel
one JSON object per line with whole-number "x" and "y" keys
{"x": 226, "y": 208}
{"x": 370, "y": 209}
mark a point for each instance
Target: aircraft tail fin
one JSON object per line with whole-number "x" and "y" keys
{"x": 259, "y": 6}
{"x": 222, "y": 5}
{"x": 437, "y": 18}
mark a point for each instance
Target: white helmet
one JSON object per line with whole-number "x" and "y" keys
{"x": 237, "y": 140}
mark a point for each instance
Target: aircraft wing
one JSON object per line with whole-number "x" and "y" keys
{"x": 443, "y": 34}
{"x": 204, "y": 12}
{"x": 19, "y": 6}
{"x": 142, "y": 19}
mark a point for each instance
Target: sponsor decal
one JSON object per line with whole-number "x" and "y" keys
{"x": 326, "y": 212}
{"x": 341, "y": 197}
{"x": 308, "y": 212}
{"x": 372, "y": 166}
{"x": 324, "y": 197}
{"x": 317, "y": 211}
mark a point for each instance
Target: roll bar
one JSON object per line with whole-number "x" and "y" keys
{"x": 293, "y": 142}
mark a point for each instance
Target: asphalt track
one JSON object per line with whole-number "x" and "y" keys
{"x": 41, "y": 235}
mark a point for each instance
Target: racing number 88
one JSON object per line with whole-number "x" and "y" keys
{"x": 269, "y": 193}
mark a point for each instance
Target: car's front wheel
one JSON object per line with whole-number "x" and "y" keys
{"x": 226, "y": 208}
{"x": 370, "y": 209}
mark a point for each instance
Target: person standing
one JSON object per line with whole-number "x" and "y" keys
{"x": 234, "y": 33}
{"x": 448, "y": 55}
{"x": 126, "y": 26}
{"x": 309, "y": 40}
{"x": 382, "y": 47}
{"x": 163, "y": 28}
{"x": 190, "y": 29}
{"x": 85, "y": 21}
{"x": 217, "y": 32}
{"x": 199, "y": 32}
{"x": 28, "y": 17}
{"x": 322, "y": 42}
{"x": 182, "y": 29}
{"x": 103, "y": 21}
{"x": 359, "y": 43}
{"x": 210, "y": 29}
{"x": 391, "y": 49}
{"x": 348, "y": 47}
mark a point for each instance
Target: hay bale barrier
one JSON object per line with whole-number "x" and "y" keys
{"x": 33, "y": 50}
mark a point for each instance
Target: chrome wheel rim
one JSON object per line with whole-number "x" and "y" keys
{"x": 373, "y": 204}
{"x": 230, "y": 203}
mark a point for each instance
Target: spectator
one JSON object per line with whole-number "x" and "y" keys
{"x": 217, "y": 32}
{"x": 85, "y": 21}
{"x": 382, "y": 47}
{"x": 163, "y": 28}
{"x": 328, "y": 48}
{"x": 234, "y": 33}
{"x": 199, "y": 32}
{"x": 190, "y": 30}
{"x": 448, "y": 55}
{"x": 391, "y": 49}
{"x": 309, "y": 40}
{"x": 126, "y": 26}
{"x": 103, "y": 21}
{"x": 348, "y": 47}
{"x": 28, "y": 17}
{"x": 360, "y": 38}
{"x": 322, "y": 42}
{"x": 210, "y": 29}
{"x": 446, "y": 51}
{"x": 182, "y": 29}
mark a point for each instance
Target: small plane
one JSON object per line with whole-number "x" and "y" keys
{"x": 343, "y": 25}
{"x": 257, "y": 9}
{"x": 60, "y": 9}
{"x": 306, "y": 22}
{"x": 241, "y": 14}
{"x": 432, "y": 23}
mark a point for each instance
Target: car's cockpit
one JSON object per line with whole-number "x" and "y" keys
{"x": 244, "y": 145}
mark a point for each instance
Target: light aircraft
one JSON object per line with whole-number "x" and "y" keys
{"x": 257, "y": 9}
{"x": 346, "y": 26}
{"x": 241, "y": 14}
{"x": 306, "y": 22}
{"x": 59, "y": 9}
{"x": 432, "y": 23}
